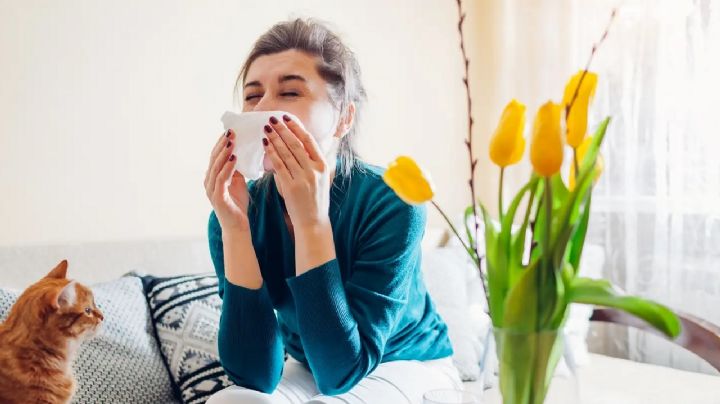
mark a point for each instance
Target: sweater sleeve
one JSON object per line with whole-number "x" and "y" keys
{"x": 344, "y": 328}
{"x": 249, "y": 342}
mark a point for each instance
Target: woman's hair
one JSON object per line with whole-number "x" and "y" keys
{"x": 336, "y": 64}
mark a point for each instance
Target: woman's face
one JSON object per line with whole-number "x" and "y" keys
{"x": 289, "y": 81}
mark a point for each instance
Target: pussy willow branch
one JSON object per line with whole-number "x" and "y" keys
{"x": 595, "y": 47}
{"x": 473, "y": 160}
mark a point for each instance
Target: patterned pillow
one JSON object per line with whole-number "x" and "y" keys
{"x": 122, "y": 364}
{"x": 186, "y": 314}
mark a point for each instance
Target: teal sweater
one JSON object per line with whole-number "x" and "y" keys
{"x": 344, "y": 317}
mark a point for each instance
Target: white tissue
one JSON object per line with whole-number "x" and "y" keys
{"x": 248, "y": 149}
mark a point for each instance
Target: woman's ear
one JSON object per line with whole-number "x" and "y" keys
{"x": 346, "y": 121}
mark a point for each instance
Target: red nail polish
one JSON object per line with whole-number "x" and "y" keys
{"x": 273, "y": 120}
{"x": 265, "y": 141}
{"x": 232, "y": 157}
{"x": 229, "y": 143}
{"x": 268, "y": 129}
{"x": 227, "y": 134}
{"x": 286, "y": 118}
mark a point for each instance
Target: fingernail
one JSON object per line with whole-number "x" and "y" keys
{"x": 232, "y": 157}
{"x": 286, "y": 118}
{"x": 228, "y": 143}
{"x": 273, "y": 120}
{"x": 227, "y": 134}
{"x": 268, "y": 129}
{"x": 265, "y": 141}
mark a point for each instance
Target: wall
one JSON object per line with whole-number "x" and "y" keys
{"x": 108, "y": 110}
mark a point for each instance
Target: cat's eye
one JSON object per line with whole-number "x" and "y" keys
{"x": 88, "y": 310}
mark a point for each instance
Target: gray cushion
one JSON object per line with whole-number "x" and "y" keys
{"x": 186, "y": 314}
{"x": 122, "y": 364}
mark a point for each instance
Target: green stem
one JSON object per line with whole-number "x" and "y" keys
{"x": 454, "y": 230}
{"x": 575, "y": 162}
{"x": 472, "y": 252}
{"x": 546, "y": 255}
{"x": 526, "y": 218}
{"x": 500, "y": 194}
{"x": 529, "y": 205}
{"x": 548, "y": 212}
{"x": 536, "y": 216}
{"x": 548, "y": 215}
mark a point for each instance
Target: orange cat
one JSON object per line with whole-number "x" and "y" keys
{"x": 40, "y": 336}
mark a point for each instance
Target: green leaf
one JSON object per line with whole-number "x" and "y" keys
{"x": 568, "y": 217}
{"x": 557, "y": 315}
{"x": 518, "y": 241}
{"x": 538, "y": 228}
{"x": 522, "y": 303}
{"x": 548, "y": 371}
{"x": 509, "y": 217}
{"x": 567, "y": 275}
{"x": 469, "y": 211}
{"x": 559, "y": 190}
{"x": 512, "y": 245}
{"x": 470, "y": 244}
{"x": 594, "y": 148}
{"x": 600, "y": 292}
{"x": 532, "y": 302}
{"x": 570, "y": 214}
{"x": 577, "y": 241}
{"x": 527, "y": 362}
{"x": 495, "y": 269}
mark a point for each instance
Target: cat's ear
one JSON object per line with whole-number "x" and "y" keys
{"x": 65, "y": 297}
{"x": 59, "y": 272}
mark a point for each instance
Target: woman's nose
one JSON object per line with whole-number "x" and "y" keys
{"x": 265, "y": 104}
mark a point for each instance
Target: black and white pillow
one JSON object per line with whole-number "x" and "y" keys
{"x": 186, "y": 313}
{"x": 122, "y": 363}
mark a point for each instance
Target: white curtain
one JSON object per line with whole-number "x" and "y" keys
{"x": 657, "y": 207}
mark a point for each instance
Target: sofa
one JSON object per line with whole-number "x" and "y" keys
{"x": 160, "y": 300}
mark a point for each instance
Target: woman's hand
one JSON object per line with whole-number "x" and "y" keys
{"x": 302, "y": 172}
{"x": 226, "y": 187}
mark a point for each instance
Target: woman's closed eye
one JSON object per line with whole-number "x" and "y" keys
{"x": 285, "y": 94}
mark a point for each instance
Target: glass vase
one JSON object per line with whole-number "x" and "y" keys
{"x": 529, "y": 368}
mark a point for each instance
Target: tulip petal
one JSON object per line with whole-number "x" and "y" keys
{"x": 546, "y": 150}
{"x": 507, "y": 141}
{"x": 577, "y": 119}
{"x": 408, "y": 181}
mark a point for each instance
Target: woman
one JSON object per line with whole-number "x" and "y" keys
{"x": 320, "y": 239}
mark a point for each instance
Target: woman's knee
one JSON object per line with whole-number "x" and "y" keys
{"x": 236, "y": 395}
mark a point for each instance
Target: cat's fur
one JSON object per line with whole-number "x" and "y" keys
{"x": 39, "y": 339}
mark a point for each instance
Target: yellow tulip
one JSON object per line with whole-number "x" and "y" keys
{"x": 408, "y": 181}
{"x": 507, "y": 144}
{"x": 577, "y": 120}
{"x": 546, "y": 149}
{"x": 599, "y": 163}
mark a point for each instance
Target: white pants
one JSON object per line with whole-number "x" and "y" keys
{"x": 396, "y": 382}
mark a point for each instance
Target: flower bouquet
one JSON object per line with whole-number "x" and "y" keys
{"x": 533, "y": 249}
